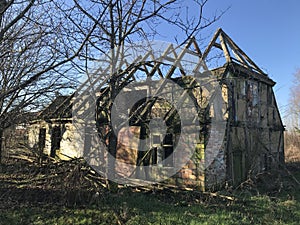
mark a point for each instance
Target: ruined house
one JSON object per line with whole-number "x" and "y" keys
{"x": 239, "y": 132}
{"x": 246, "y": 139}
{"x": 51, "y": 132}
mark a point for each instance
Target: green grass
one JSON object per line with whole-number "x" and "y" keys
{"x": 128, "y": 206}
{"x": 141, "y": 208}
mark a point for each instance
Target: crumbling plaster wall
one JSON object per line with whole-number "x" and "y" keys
{"x": 198, "y": 171}
{"x": 33, "y": 136}
{"x": 68, "y": 145}
{"x": 256, "y": 134}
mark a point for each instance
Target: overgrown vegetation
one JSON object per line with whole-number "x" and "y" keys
{"x": 71, "y": 193}
{"x": 292, "y": 146}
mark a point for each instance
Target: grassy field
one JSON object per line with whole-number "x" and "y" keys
{"x": 46, "y": 195}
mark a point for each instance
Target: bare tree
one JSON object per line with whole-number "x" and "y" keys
{"x": 295, "y": 102}
{"x": 44, "y": 43}
{"x": 292, "y": 135}
{"x": 116, "y": 23}
{"x": 34, "y": 60}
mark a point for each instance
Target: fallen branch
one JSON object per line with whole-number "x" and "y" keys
{"x": 230, "y": 198}
{"x": 26, "y": 158}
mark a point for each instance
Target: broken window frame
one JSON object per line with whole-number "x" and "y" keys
{"x": 253, "y": 98}
{"x": 163, "y": 148}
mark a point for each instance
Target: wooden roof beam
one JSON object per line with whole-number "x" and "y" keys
{"x": 225, "y": 48}
{"x": 238, "y": 55}
{"x": 177, "y": 61}
{"x": 197, "y": 48}
{"x": 157, "y": 64}
{"x": 242, "y": 53}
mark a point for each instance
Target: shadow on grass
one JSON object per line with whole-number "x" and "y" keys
{"x": 151, "y": 208}
{"x": 36, "y": 204}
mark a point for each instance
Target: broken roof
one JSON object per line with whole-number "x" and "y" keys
{"x": 235, "y": 60}
{"x": 60, "y": 108}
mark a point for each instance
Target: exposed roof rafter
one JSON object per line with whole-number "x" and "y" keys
{"x": 231, "y": 51}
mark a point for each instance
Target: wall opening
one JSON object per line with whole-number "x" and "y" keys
{"x": 55, "y": 140}
{"x": 238, "y": 167}
{"x": 42, "y": 140}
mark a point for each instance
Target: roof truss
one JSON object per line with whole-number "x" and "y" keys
{"x": 231, "y": 51}
{"x": 172, "y": 56}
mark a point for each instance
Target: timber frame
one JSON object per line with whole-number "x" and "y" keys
{"x": 253, "y": 138}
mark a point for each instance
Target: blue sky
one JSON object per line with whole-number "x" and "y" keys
{"x": 268, "y": 31}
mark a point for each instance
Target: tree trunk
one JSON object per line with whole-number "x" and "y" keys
{"x": 112, "y": 148}
{"x": 1, "y": 145}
